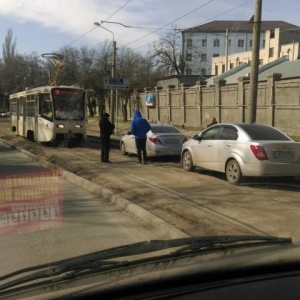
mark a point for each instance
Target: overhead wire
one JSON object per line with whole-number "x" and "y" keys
{"x": 118, "y": 10}
{"x": 201, "y": 22}
{"x": 170, "y": 22}
{"x": 98, "y": 26}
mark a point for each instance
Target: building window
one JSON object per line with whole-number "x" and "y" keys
{"x": 229, "y": 43}
{"x": 189, "y": 42}
{"x": 261, "y": 62}
{"x": 216, "y": 43}
{"x": 231, "y": 65}
{"x": 216, "y": 70}
{"x": 272, "y": 34}
{"x": 250, "y": 43}
{"x": 204, "y": 43}
{"x": 203, "y": 71}
{"x": 264, "y": 43}
{"x": 223, "y": 68}
{"x": 188, "y": 71}
{"x": 271, "y": 52}
{"x": 240, "y": 43}
{"x": 216, "y": 55}
{"x": 189, "y": 57}
{"x": 203, "y": 57}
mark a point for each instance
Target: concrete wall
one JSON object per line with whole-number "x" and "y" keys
{"x": 278, "y": 103}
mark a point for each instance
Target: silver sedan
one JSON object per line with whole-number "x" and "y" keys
{"x": 240, "y": 150}
{"x": 162, "y": 140}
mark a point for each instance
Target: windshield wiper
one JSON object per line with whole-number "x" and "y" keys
{"x": 100, "y": 261}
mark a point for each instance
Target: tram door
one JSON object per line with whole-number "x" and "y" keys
{"x": 20, "y": 116}
{"x": 37, "y": 116}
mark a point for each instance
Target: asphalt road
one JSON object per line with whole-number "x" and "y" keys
{"x": 44, "y": 217}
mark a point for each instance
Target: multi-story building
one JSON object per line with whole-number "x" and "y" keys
{"x": 222, "y": 38}
{"x": 278, "y": 43}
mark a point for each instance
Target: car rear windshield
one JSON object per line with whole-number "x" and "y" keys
{"x": 164, "y": 129}
{"x": 261, "y": 132}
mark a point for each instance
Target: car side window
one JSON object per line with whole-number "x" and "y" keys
{"x": 210, "y": 134}
{"x": 228, "y": 133}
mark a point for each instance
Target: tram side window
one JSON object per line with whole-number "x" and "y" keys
{"x": 13, "y": 106}
{"x": 21, "y": 106}
{"x": 46, "y": 107}
{"x": 30, "y": 107}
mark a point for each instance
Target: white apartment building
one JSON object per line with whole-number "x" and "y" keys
{"x": 202, "y": 44}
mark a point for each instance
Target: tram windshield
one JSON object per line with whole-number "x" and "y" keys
{"x": 68, "y": 103}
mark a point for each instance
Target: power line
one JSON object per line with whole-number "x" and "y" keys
{"x": 201, "y": 22}
{"x": 171, "y": 22}
{"x": 81, "y": 36}
{"x": 232, "y": 9}
{"x": 97, "y": 26}
{"x": 118, "y": 10}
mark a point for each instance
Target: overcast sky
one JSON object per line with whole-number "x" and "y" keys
{"x": 44, "y": 26}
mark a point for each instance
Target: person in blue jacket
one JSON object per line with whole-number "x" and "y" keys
{"x": 139, "y": 128}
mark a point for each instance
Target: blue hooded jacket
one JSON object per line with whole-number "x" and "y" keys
{"x": 139, "y": 126}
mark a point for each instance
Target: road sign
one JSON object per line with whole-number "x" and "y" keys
{"x": 116, "y": 83}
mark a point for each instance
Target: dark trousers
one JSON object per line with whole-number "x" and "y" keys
{"x": 141, "y": 149}
{"x": 105, "y": 147}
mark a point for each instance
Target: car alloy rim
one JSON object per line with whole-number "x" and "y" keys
{"x": 232, "y": 171}
{"x": 187, "y": 160}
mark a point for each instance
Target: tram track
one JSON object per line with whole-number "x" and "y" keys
{"x": 185, "y": 200}
{"x": 190, "y": 212}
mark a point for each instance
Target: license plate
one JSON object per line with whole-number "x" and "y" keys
{"x": 171, "y": 141}
{"x": 284, "y": 154}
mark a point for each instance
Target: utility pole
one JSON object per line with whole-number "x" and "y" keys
{"x": 226, "y": 50}
{"x": 254, "y": 63}
{"x": 112, "y": 92}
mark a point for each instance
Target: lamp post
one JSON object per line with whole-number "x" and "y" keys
{"x": 113, "y": 69}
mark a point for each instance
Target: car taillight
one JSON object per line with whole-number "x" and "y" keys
{"x": 154, "y": 140}
{"x": 259, "y": 152}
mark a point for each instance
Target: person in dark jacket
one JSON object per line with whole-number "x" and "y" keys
{"x": 139, "y": 128}
{"x": 213, "y": 122}
{"x": 106, "y": 130}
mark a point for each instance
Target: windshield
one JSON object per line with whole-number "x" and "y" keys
{"x": 68, "y": 104}
{"x": 89, "y": 164}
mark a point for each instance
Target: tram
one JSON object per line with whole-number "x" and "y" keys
{"x": 49, "y": 114}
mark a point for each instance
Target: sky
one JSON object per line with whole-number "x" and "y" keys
{"x": 45, "y": 26}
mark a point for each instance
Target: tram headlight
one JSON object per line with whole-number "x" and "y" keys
{"x": 60, "y": 126}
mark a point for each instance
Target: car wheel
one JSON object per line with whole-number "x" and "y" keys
{"x": 233, "y": 172}
{"x": 123, "y": 149}
{"x": 187, "y": 161}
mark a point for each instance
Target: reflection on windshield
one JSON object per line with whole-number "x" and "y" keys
{"x": 31, "y": 202}
{"x": 68, "y": 104}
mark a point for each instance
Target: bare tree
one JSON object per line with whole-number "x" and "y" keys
{"x": 9, "y": 46}
{"x": 166, "y": 53}
{"x": 13, "y": 72}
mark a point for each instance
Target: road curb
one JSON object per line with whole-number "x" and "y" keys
{"x": 109, "y": 195}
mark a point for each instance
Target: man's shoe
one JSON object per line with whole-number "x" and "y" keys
{"x": 139, "y": 163}
{"x": 145, "y": 163}
{"x": 107, "y": 161}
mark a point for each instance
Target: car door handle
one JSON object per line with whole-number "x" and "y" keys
{"x": 228, "y": 145}
{"x": 210, "y": 145}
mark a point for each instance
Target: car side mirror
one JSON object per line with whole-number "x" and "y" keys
{"x": 197, "y": 137}
{"x": 129, "y": 132}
